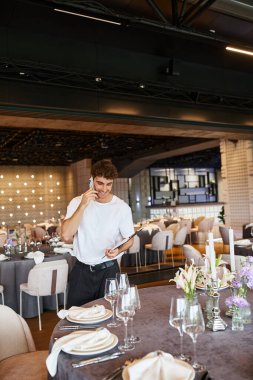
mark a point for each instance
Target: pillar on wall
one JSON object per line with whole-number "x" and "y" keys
{"x": 236, "y": 173}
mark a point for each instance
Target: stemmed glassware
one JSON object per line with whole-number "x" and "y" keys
{"x": 111, "y": 295}
{"x": 177, "y": 309}
{"x": 123, "y": 282}
{"x": 193, "y": 325}
{"x": 135, "y": 300}
{"x": 124, "y": 309}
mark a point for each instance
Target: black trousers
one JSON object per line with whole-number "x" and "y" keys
{"x": 85, "y": 285}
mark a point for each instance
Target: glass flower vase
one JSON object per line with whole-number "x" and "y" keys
{"x": 237, "y": 319}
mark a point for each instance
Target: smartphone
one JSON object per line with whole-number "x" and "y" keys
{"x": 91, "y": 183}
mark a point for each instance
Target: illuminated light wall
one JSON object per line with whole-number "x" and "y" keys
{"x": 33, "y": 194}
{"x": 237, "y": 176}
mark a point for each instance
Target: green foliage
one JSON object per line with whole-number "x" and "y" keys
{"x": 221, "y": 215}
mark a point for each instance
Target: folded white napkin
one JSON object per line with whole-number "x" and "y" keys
{"x": 62, "y": 250}
{"x": 65, "y": 245}
{"x": 158, "y": 365}
{"x": 150, "y": 228}
{"x": 80, "y": 340}
{"x": 3, "y": 257}
{"x": 38, "y": 256}
{"x": 60, "y": 243}
{"x": 243, "y": 242}
{"x": 77, "y": 312}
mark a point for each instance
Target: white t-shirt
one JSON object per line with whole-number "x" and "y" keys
{"x": 102, "y": 226}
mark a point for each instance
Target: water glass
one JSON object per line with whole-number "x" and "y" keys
{"x": 124, "y": 309}
{"x": 111, "y": 295}
{"x": 193, "y": 325}
{"x": 177, "y": 308}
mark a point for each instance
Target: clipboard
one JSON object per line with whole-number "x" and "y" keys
{"x": 124, "y": 241}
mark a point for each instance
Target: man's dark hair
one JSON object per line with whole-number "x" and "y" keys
{"x": 104, "y": 168}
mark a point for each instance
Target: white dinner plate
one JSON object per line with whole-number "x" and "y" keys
{"x": 125, "y": 375}
{"x": 108, "y": 345}
{"x": 220, "y": 288}
{"x": 101, "y": 318}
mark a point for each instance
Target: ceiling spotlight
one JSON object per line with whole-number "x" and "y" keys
{"x": 212, "y": 31}
{"x": 98, "y": 79}
{"x": 142, "y": 85}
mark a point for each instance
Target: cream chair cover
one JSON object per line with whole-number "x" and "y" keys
{"x": 191, "y": 253}
{"x": 161, "y": 242}
{"x": 18, "y": 356}
{"x": 47, "y": 278}
{"x": 135, "y": 250}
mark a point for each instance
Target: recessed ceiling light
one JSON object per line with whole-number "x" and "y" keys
{"x": 142, "y": 85}
{"x": 98, "y": 79}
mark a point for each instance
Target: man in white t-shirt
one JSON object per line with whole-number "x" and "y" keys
{"x": 96, "y": 222}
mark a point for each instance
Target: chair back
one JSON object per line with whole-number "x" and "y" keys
{"x": 15, "y": 335}
{"x": 49, "y": 277}
{"x": 211, "y": 223}
{"x": 204, "y": 226}
{"x": 180, "y": 236}
{"x": 192, "y": 253}
{"x": 198, "y": 220}
{"x": 224, "y": 232}
{"x": 238, "y": 260}
{"x": 39, "y": 233}
{"x": 174, "y": 227}
{"x": 136, "y": 245}
{"x": 186, "y": 223}
{"x": 161, "y": 224}
{"x": 163, "y": 240}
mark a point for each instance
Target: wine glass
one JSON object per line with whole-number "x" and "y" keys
{"x": 124, "y": 309}
{"x": 111, "y": 295}
{"x": 193, "y": 325}
{"x": 177, "y": 308}
{"x": 123, "y": 282}
{"x": 135, "y": 300}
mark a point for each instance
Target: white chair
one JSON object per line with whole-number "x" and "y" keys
{"x": 191, "y": 253}
{"x": 174, "y": 227}
{"x": 135, "y": 250}
{"x": 2, "y": 293}
{"x": 187, "y": 223}
{"x": 18, "y": 356}
{"x": 161, "y": 242}
{"x": 224, "y": 232}
{"x": 48, "y": 278}
{"x": 179, "y": 239}
{"x": 238, "y": 260}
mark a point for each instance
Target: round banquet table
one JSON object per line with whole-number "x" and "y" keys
{"x": 15, "y": 271}
{"x": 226, "y": 354}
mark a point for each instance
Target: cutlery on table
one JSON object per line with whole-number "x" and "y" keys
{"x": 79, "y": 327}
{"x": 99, "y": 359}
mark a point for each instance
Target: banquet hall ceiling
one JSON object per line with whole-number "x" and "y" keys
{"x": 164, "y": 68}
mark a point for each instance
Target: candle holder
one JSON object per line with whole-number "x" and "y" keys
{"x": 216, "y": 323}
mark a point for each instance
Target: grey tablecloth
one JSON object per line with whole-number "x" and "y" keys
{"x": 15, "y": 272}
{"x": 227, "y": 354}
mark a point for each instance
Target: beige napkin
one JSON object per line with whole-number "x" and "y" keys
{"x": 158, "y": 365}
{"x": 76, "y": 312}
{"x": 76, "y": 340}
{"x": 3, "y": 257}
